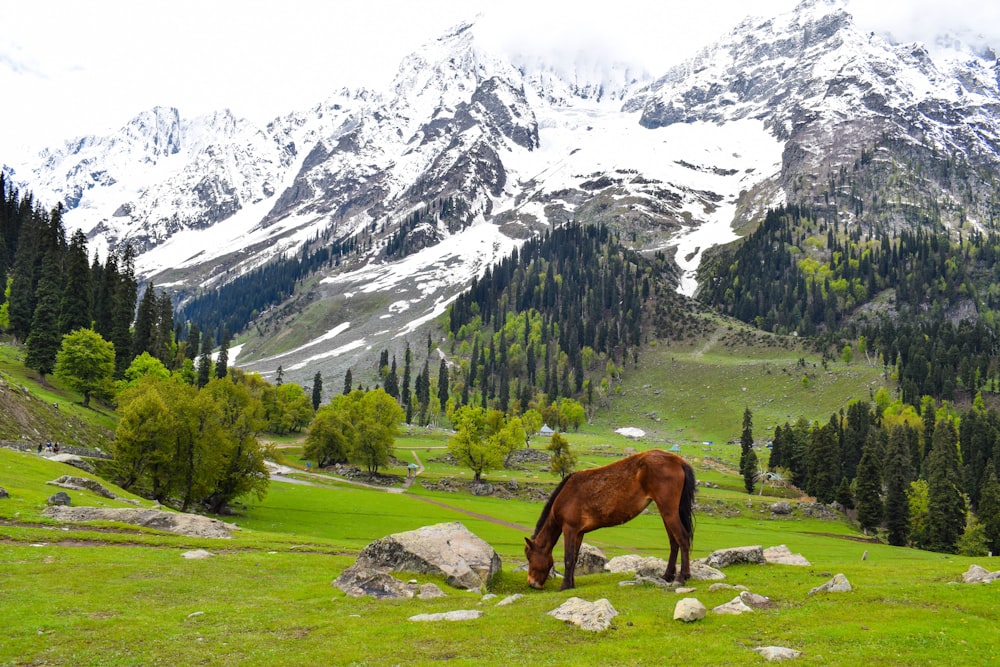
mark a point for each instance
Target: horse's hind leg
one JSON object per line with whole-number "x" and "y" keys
{"x": 672, "y": 563}
{"x": 679, "y": 540}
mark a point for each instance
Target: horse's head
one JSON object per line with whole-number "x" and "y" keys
{"x": 539, "y": 563}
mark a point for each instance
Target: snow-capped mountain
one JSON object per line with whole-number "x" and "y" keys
{"x": 470, "y": 150}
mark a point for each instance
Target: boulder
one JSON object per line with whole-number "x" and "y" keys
{"x": 839, "y": 584}
{"x": 689, "y": 610}
{"x": 592, "y": 616}
{"x": 702, "y": 572}
{"x": 73, "y": 460}
{"x": 736, "y": 556}
{"x": 590, "y": 560}
{"x": 359, "y": 582}
{"x": 781, "y": 508}
{"x": 82, "y": 484}
{"x": 3, "y": 493}
{"x": 977, "y": 574}
{"x": 59, "y": 499}
{"x": 447, "y": 549}
{"x": 781, "y": 555}
{"x": 644, "y": 566}
{"x": 773, "y": 653}
{"x": 191, "y": 525}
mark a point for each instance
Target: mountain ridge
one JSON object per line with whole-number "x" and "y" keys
{"x": 468, "y": 152}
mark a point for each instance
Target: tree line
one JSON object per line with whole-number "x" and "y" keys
{"x": 927, "y": 476}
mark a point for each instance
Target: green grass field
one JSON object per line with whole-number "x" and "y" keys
{"x": 115, "y": 595}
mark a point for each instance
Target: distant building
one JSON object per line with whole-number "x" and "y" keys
{"x": 545, "y": 430}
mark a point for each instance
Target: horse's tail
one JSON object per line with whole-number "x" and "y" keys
{"x": 686, "y": 509}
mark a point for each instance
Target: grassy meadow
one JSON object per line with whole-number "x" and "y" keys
{"x": 115, "y": 595}
{"x": 110, "y": 594}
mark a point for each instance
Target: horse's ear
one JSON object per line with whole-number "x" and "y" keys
{"x": 528, "y": 541}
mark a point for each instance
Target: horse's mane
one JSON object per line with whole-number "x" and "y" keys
{"x": 548, "y": 506}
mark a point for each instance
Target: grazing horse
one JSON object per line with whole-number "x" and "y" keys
{"x": 611, "y": 495}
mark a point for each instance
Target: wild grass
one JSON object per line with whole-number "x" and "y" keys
{"x": 110, "y": 595}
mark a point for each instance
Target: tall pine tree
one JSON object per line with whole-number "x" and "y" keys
{"x": 945, "y": 502}
{"x": 897, "y": 476}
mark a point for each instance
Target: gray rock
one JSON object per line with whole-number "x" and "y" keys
{"x": 773, "y": 653}
{"x": 592, "y": 616}
{"x": 781, "y": 555}
{"x": 59, "y": 499}
{"x": 689, "y": 610}
{"x": 510, "y": 599}
{"x": 839, "y": 584}
{"x": 702, "y": 572}
{"x": 3, "y": 493}
{"x": 781, "y": 508}
{"x": 359, "y": 582}
{"x": 977, "y": 574}
{"x": 447, "y": 549}
{"x": 755, "y": 601}
{"x": 73, "y": 460}
{"x": 430, "y": 591}
{"x": 645, "y": 566}
{"x": 736, "y": 606}
{"x": 458, "y": 615}
{"x": 753, "y": 555}
{"x": 591, "y": 560}
{"x": 197, "y": 554}
{"x": 82, "y": 484}
{"x": 719, "y": 587}
{"x": 191, "y": 525}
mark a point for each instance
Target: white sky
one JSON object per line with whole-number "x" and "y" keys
{"x": 69, "y": 68}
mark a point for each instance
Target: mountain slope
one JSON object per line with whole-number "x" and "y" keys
{"x": 412, "y": 191}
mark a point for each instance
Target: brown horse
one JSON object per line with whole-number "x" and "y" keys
{"x": 609, "y": 496}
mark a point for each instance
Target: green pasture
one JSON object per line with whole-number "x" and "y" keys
{"x": 116, "y": 595}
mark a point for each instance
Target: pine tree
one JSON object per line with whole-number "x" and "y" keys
{"x": 164, "y": 343}
{"x": 193, "y": 342}
{"x": 123, "y": 298}
{"x": 222, "y": 361}
{"x": 348, "y": 382}
{"x": 45, "y": 338}
{"x": 392, "y": 380}
{"x": 145, "y": 321}
{"x": 205, "y": 361}
{"x": 748, "y": 459}
{"x": 897, "y": 476}
{"x": 823, "y": 463}
{"x": 317, "y": 390}
{"x": 989, "y": 508}
{"x": 945, "y": 502}
{"x": 75, "y": 312}
{"x": 869, "y": 487}
{"x": 443, "y": 388}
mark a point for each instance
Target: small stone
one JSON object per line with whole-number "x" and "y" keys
{"x": 689, "y": 610}
{"x": 197, "y": 554}
{"x": 773, "y": 653}
{"x": 510, "y": 599}
{"x": 459, "y": 615}
{"x": 839, "y": 584}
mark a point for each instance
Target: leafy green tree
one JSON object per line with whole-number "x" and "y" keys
{"x": 917, "y": 500}
{"x": 376, "y": 421}
{"x": 143, "y": 365}
{"x": 86, "y": 362}
{"x": 331, "y": 433}
{"x": 563, "y": 460}
{"x": 945, "y": 502}
{"x": 142, "y": 445}
{"x": 239, "y": 457}
{"x": 483, "y": 439}
{"x": 571, "y": 413}
{"x": 897, "y": 473}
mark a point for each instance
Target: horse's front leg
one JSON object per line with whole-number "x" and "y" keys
{"x": 571, "y": 544}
